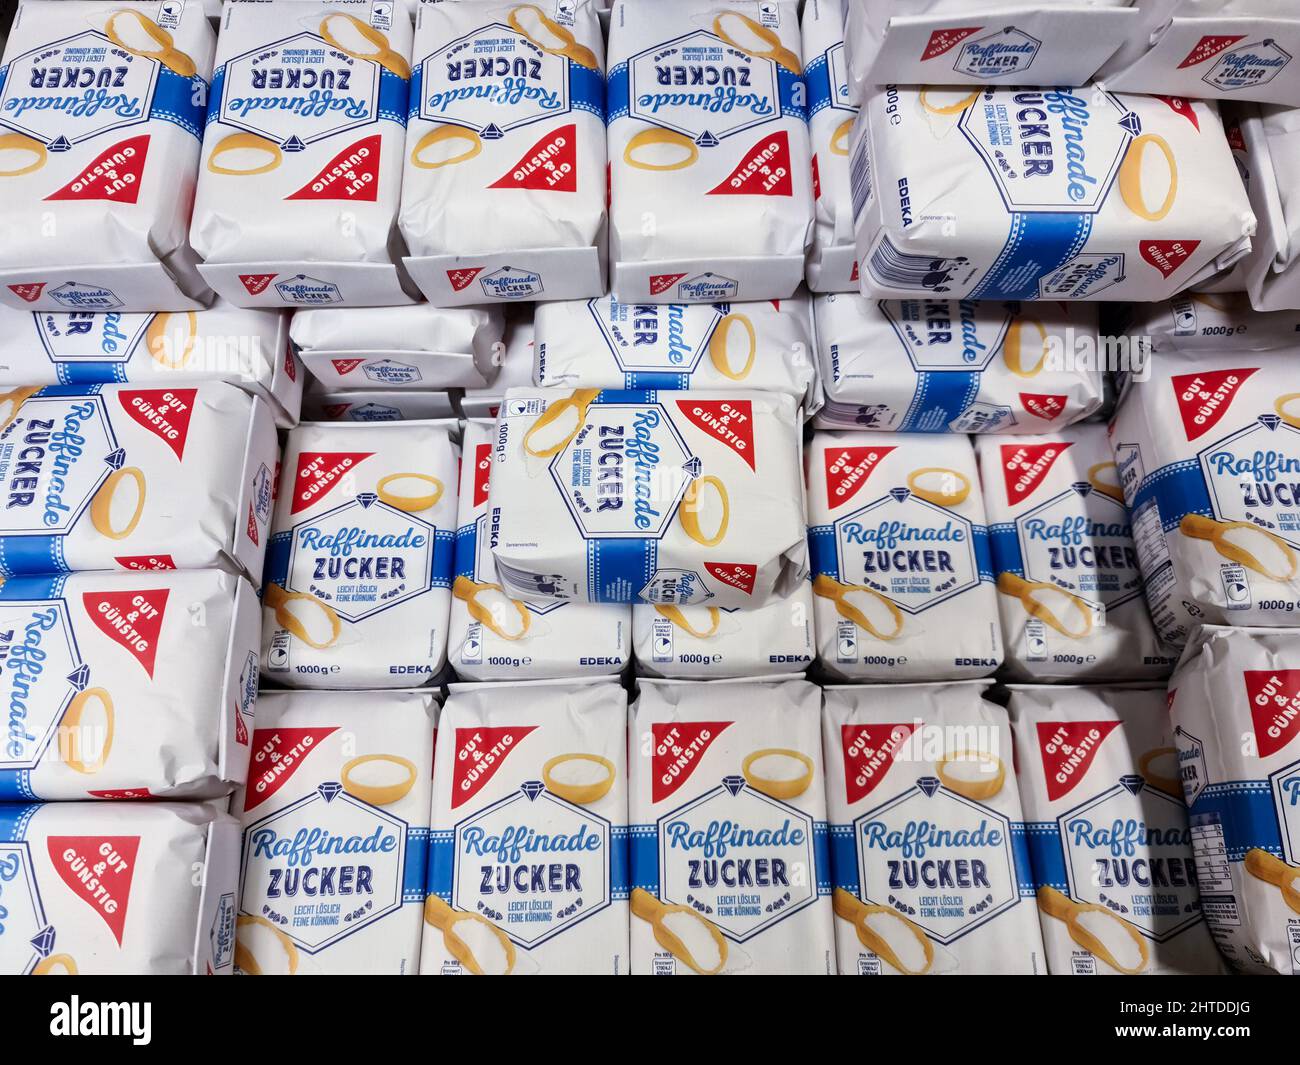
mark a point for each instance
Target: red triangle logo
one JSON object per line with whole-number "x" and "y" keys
{"x": 764, "y": 171}
{"x": 241, "y": 730}
{"x": 252, "y": 525}
{"x": 817, "y": 178}
{"x": 319, "y": 473}
{"x": 335, "y": 411}
{"x": 1182, "y": 106}
{"x": 31, "y": 293}
{"x": 480, "y": 752}
{"x": 145, "y": 562}
{"x": 847, "y": 470}
{"x": 1025, "y": 465}
{"x": 1208, "y": 47}
{"x": 290, "y": 363}
{"x": 98, "y": 870}
{"x": 550, "y": 165}
{"x": 1274, "y": 696}
{"x": 482, "y": 473}
{"x": 256, "y": 283}
{"x": 343, "y": 367}
{"x": 353, "y": 174}
{"x": 661, "y": 283}
{"x": 124, "y": 794}
{"x": 678, "y": 748}
{"x": 1042, "y": 405}
{"x": 728, "y": 420}
{"x": 277, "y": 754}
{"x": 1068, "y": 748}
{"x": 130, "y": 619}
{"x": 165, "y": 412}
{"x": 869, "y": 753}
{"x": 737, "y": 575}
{"x": 114, "y": 174}
{"x": 942, "y": 41}
{"x": 1167, "y": 255}
{"x": 1204, "y": 398}
{"x": 460, "y": 279}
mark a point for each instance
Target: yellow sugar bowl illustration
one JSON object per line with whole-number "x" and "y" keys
{"x": 1025, "y": 348}
{"x": 705, "y": 511}
{"x": 171, "y": 338}
{"x": 140, "y": 35}
{"x": 1247, "y": 544}
{"x": 550, "y": 36}
{"x": 978, "y": 775}
{"x": 21, "y": 154}
{"x": 445, "y": 146}
{"x": 474, "y": 941}
{"x": 379, "y": 779}
{"x": 262, "y": 949}
{"x": 742, "y": 32}
{"x": 660, "y": 149}
{"x": 411, "y": 492}
{"x": 579, "y": 778}
{"x": 1159, "y": 768}
{"x": 1104, "y": 477}
{"x": 886, "y": 933}
{"x": 780, "y": 773}
{"x": 56, "y": 965}
{"x": 361, "y": 41}
{"x": 1098, "y": 931}
{"x": 119, "y": 504}
{"x": 558, "y": 424}
{"x": 489, "y": 605}
{"x": 720, "y": 346}
{"x": 942, "y": 487}
{"x": 86, "y": 731}
{"x": 244, "y": 155}
{"x": 1066, "y": 613}
{"x": 1140, "y": 172}
{"x": 867, "y": 609}
{"x": 682, "y": 932}
{"x": 1272, "y": 870}
{"x": 304, "y": 616}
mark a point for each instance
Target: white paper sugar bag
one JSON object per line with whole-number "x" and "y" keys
{"x": 495, "y": 637}
{"x": 706, "y": 643}
{"x": 504, "y": 188}
{"x": 833, "y": 258}
{"x": 902, "y": 570}
{"x": 391, "y": 405}
{"x": 1108, "y": 836}
{"x": 673, "y": 498}
{"x": 603, "y": 343}
{"x": 514, "y": 370}
{"x": 118, "y": 889}
{"x": 1216, "y": 322}
{"x": 358, "y": 576}
{"x": 1069, "y": 584}
{"x": 302, "y": 155}
{"x": 1271, "y": 139}
{"x": 391, "y": 348}
{"x": 729, "y": 862}
{"x": 336, "y": 834}
{"x": 931, "y": 864}
{"x": 248, "y": 349}
{"x": 528, "y": 870}
{"x": 1235, "y": 702}
{"x": 1051, "y": 194}
{"x": 955, "y": 366}
{"x": 101, "y": 111}
{"x": 118, "y": 477}
{"x": 710, "y": 162}
{"x": 127, "y": 685}
{"x": 1208, "y": 450}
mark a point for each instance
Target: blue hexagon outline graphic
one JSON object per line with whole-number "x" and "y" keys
{"x": 807, "y": 822}
{"x": 314, "y": 796}
{"x": 542, "y": 795}
{"x": 1209, "y": 77}
{"x": 971, "y": 367}
{"x": 419, "y": 585}
{"x": 889, "y": 499}
{"x": 320, "y": 44}
{"x": 755, "y": 63}
{"x": 128, "y": 347}
{"x": 1066, "y": 496}
{"x": 74, "y": 653}
{"x": 146, "y": 98}
{"x": 915, "y": 790}
{"x": 1096, "y": 800}
{"x": 1113, "y": 281}
{"x": 20, "y": 850}
{"x": 1277, "y": 780}
{"x": 1103, "y": 183}
{"x": 438, "y": 56}
{"x": 630, "y": 365}
{"x": 670, "y": 509}
{"x": 1211, "y": 482}
{"x": 1027, "y": 37}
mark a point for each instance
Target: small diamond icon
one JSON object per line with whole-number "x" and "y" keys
{"x": 1270, "y": 421}
{"x": 929, "y": 785}
{"x": 329, "y": 790}
{"x": 116, "y": 459}
{"x": 733, "y": 783}
{"x": 1132, "y": 782}
{"x": 80, "y": 677}
{"x": 1082, "y": 487}
{"x": 43, "y": 941}
{"x": 491, "y": 132}
{"x": 900, "y": 494}
{"x": 706, "y": 140}
{"x": 532, "y": 788}
{"x": 1132, "y": 123}
{"x": 367, "y": 499}
{"x": 692, "y": 466}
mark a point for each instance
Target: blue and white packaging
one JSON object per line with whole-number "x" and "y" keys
{"x": 504, "y": 194}
{"x": 247, "y": 349}
{"x": 336, "y": 834}
{"x": 676, "y": 498}
{"x": 1069, "y": 584}
{"x": 301, "y": 170}
{"x": 101, "y": 111}
{"x": 603, "y": 343}
{"x": 955, "y": 366}
{"x": 833, "y": 258}
{"x": 127, "y": 685}
{"x": 1043, "y": 194}
{"x": 117, "y": 477}
{"x": 1109, "y": 842}
{"x": 728, "y": 790}
{"x": 528, "y": 862}
{"x": 514, "y": 370}
{"x": 118, "y": 888}
{"x": 1235, "y": 701}
{"x": 710, "y": 163}
{"x": 494, "y": 637}
{"x": 902, "y": 566}
{"x": 398, "y": 349}
{"x": 1207, "y": 445}
{"x": 928, "y": 850}
{"x": 358, "y": 576}
{"x": 1212, "y": 322}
